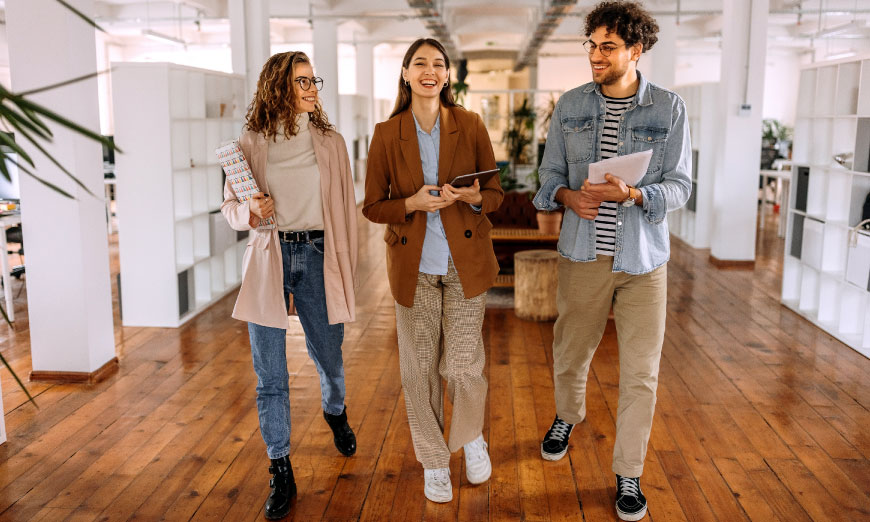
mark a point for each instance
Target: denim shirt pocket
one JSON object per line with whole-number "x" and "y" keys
{"x": 646, "y": 138}
{"x": 579, "y": 139}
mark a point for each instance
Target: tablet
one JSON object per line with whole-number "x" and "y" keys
{"x": 467, "y": 180}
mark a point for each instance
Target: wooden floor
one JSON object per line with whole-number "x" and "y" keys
{"x": 761, "y": 416}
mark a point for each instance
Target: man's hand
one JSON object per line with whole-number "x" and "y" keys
{"x": 425, "y": 201}
{"x": 614, "y": 190}
{"x": 579, "y": 201}
{"x": 470, "y": 195}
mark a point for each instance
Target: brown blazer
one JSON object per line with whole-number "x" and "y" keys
{"x": 261, "y": 297}
{"x": 395, "y": 172}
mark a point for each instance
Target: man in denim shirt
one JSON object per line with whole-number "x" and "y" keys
{"x": 614, "y": 241}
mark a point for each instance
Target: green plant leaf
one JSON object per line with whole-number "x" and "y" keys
{"x": 16, "y": 147}
{"x": 30, "y": 121}
{"x": 53, "y": 160}
{"x": 25, "y": 103}
{"x": 37, "y": 178}
{"x": 6, "y": 364}
{"x": 64, "y": 83}
{"x": 81, "y": 15}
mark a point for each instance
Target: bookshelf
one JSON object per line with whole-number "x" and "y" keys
{"x": 692, "y": 222}
{"x": 825, "y": 276}
{"x": 177, "y": 252}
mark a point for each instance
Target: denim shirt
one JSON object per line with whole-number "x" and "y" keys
{"x": 435, "y": 249}
{"x": 655, "y": 120}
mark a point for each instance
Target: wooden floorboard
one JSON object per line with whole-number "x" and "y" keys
{"x": 761, "y": 416}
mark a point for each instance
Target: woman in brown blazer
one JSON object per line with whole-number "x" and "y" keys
{"x": 440, "y": 260}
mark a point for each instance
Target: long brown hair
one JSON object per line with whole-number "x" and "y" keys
{"x": 403, "y": 99}
{"x": 274, "y": 103}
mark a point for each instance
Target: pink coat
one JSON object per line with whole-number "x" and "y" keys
{"x": 261, "y": 299}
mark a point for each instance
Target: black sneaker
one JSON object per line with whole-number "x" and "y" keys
{"x": 630, "y": 502}
{"x": 555, "y": 442}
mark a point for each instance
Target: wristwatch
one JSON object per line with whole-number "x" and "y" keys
{"x": 630, "y": 201}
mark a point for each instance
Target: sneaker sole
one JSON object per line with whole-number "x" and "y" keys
{"x": 552, "y": 456}
{"x": 438, "y": 500}
{"x": 630, "y": 517}
{"x": 475, "y": 480}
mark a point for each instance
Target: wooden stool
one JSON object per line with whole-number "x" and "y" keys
{"x": 536, "y": 276}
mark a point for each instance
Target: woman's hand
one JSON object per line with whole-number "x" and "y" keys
{"x": 470, "y": 195}
{"x": 262, "y": 206}
{"x": 425, "y": 201}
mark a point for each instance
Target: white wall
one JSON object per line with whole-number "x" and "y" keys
{"x": 563, "y": 72}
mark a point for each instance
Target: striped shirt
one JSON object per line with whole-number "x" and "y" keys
{"x": 605, "y": 222}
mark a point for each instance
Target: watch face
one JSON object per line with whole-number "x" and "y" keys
{"x": 628, "y": 203}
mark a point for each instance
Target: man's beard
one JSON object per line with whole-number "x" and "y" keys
{"x": 612, "y": 75}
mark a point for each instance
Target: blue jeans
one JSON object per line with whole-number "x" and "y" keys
{"x": 303, "y": 277}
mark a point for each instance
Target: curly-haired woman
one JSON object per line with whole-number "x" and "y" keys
{"x": 301, "y": 166}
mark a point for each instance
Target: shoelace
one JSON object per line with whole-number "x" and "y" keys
{"x": 440, "y": 476}
{"x": 628, "y": 486}
{"x": 559, "y": 431}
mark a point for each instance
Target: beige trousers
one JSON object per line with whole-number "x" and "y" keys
{"x": 440, "y": 336}
{"x": 584, "y": 296}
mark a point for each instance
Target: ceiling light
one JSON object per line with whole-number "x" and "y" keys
{"x": 842, "y": 54}
{"x": 164, "y": 38}
{"x": 850, "y": 28}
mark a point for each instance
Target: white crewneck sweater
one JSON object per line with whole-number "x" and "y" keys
{"x": 294, "y": 180}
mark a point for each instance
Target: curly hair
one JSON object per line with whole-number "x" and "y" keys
{"x": 629, "y": 20}
{"x": 274, "y": 103}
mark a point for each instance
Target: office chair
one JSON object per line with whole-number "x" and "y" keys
{"x": 14, "y": 235}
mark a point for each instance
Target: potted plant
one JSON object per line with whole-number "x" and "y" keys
{"x": 549, "y": 221}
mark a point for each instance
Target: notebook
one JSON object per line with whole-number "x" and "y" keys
{"x": 239, "y": 175}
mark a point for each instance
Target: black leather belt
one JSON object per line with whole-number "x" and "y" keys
{"x": 299, "y": 236}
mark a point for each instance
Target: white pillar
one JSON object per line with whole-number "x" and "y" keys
{"x": 661, "y": 60}
{"x": 68, "y": 292}
{"x": 326, "y": 65}
{"x": 735, "y": 194}
{"x": 365, "y": 82}
{"x": 249, "y": 39}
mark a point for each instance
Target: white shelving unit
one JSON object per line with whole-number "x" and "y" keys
{"x": 178, "y": 254}
{"x": 692, "y": 222}
{"x": 825, "y": 279}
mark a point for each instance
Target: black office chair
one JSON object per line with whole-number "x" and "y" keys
{"x": 14, "y": 235}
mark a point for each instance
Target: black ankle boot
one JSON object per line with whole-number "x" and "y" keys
{"x": 343, "y": 436}
{"x": 283, "y": 489}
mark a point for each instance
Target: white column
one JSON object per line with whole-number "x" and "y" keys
{"x": 735, "y": 205}
{"x": 68, "y": 292}
{"x": 365, "y": 82}
{"x": 326, "y": 65}
{"x": 661, "y": 60}
{"x": 249, "y": 39}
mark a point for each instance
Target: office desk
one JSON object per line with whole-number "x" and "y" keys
{"x": 7, "y": 221}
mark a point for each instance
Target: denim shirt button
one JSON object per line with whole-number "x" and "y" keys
{"x": 619, "y": 223}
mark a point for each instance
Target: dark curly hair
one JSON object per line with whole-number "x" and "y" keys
{"x": 629, "y": 20}
{"x": 273, "y": 108}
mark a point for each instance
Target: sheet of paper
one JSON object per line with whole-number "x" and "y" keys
{"x": 629, "y": 168}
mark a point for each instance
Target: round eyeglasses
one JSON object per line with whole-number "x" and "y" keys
{"x": 604, "y": 49}
{"x": 305, "y": 82}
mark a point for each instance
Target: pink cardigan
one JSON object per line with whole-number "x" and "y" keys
{"x": 261, "y": 299}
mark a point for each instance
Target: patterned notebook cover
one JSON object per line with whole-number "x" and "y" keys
{"x": 239, "y": 175}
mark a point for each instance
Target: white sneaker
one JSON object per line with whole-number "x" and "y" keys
{"x": 438, "y": 487}
{"x": 478, "y": 467}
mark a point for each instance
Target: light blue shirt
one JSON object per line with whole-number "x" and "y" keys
{"x": 436, "y": 251}
{"x": 656, "y": 120}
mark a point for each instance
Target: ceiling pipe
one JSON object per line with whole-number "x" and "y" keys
{"x": 552, "y": 17}
{"x": 432, "y": 18}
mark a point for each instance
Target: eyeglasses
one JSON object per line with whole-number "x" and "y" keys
{"x": 604, "y": 49}
{"x": 305, "y": 82}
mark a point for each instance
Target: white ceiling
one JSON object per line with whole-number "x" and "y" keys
{"x": 475, "y": 26}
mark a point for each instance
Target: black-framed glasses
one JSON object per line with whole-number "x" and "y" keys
{"x": 604, "y": 49}
{"x": 305, "y": 82}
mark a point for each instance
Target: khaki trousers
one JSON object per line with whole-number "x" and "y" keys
{"x": 584, "y": 296}
{"x": 440, "y": 336}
